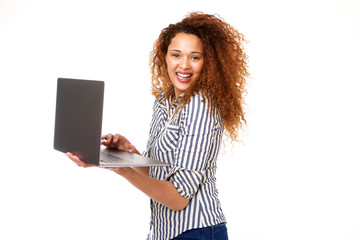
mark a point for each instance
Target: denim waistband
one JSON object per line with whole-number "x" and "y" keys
{"x": 217, "y": 232}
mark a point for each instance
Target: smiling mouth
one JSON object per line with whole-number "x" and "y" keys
{"x": 184, "y": 76}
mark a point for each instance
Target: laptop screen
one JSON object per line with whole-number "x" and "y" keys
{"x": 78, "y": 118}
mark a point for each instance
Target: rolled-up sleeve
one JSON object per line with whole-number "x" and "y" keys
{"x": 196, "y": 138}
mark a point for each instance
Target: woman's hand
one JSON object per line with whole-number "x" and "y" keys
{"x": 110, "y": 141}
{"x": 117, "y": 141}
{"x": 77, "y": 160}
{"x": 161, "y": 191}
{"x": 80, "y": 163}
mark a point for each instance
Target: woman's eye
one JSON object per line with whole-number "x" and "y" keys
{"x": 175, "y": 55}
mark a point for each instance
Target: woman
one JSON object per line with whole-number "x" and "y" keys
{"x": 199, "y": 75}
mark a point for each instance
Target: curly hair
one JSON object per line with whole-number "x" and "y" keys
{"x": 223, "y": 77}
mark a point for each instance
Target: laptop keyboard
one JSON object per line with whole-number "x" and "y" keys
{"x": 104, "y": 157}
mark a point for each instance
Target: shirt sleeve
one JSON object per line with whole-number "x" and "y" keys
{"x": 196, "y": 138}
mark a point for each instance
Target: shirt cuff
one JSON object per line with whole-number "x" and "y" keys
{"x": 185, "y": 181}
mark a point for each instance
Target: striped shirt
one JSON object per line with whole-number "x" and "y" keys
{"x": 189, "y": 140}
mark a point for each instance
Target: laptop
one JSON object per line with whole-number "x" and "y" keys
{"x": 78, "y": 123}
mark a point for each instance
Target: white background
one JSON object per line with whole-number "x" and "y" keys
{"x": 296, "y": 174}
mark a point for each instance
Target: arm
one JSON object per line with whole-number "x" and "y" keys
{"x": 142, "y": 170}
{"x": 161, "y": 191}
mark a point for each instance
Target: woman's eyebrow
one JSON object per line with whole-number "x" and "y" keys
{"x": 176, "y": 50}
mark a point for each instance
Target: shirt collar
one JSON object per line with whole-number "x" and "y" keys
{"x": 165, "y": 102}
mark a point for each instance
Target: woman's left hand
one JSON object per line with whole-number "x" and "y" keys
{"x": 78, "y": 161}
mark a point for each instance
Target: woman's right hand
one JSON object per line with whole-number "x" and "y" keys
{"x": 117, "y": 141}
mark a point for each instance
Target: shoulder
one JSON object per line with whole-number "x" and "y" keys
{"x": 161, "y": 98}
{"x": 159, "y": 101}
{"x": 198, "y": 103}
{"x": 198, "y": 109}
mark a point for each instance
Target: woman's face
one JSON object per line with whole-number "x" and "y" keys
{"x": 184, "y": 61}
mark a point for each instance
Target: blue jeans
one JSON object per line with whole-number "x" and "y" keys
{"x": 217, "y": 232}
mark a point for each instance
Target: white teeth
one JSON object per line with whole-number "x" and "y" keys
{"x": 184, "y": 75}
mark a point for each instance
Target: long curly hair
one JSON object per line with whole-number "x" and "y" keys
{"x": 225, "y": 70}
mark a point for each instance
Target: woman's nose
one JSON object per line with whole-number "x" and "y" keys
{"x": 184, "y": 64}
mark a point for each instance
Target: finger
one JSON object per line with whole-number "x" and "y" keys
{"x": 117, "y": 138}
{"x": 81, "y": 163}
{"x": 73, "y": 158}
{"x": 106, "y": 139}
{"x": 131, "y": 148}
{"x": 109, "y": 138}
{"x": 124, "y": 142}
{"x": 77, "y": 160}
{"x": 120, "y": 142}
{"x": 128, "y": 146}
